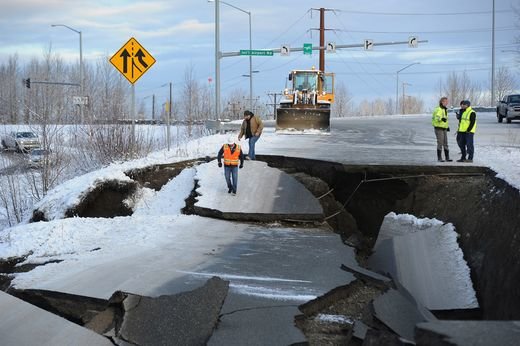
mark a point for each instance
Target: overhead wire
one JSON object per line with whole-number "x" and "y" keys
{"x": 419, "y": 13}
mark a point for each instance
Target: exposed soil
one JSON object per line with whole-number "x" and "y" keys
{"x": 155, "y": 177}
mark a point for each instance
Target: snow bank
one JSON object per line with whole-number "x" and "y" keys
{"x": 505, "y": 161}
{"x": 170, "y": 199}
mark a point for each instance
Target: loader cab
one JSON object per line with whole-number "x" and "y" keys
{"x": 305, "y": 81}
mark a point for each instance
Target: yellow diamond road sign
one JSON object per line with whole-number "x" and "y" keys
{"x": 132, "y": 60}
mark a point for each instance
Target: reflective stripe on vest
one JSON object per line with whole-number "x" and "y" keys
{"x": 465, "y": 121}
{"x": 438, "y": 114}
{"x": 231, "y": 158}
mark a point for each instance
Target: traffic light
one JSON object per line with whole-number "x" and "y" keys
{"x": 28, "y": 83}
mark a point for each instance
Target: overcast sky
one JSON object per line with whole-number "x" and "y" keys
{"x": 181, "y": 32}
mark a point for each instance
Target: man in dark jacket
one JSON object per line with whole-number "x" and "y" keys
{"x": 233, "y": 159}
{"x": 467, "y": 128}
{"x": 252, "y": 128}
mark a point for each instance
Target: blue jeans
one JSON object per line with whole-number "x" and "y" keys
{"x": 231, "y": 173}
{"x": 252, "y": 142}
{"x": 465, "y": 142}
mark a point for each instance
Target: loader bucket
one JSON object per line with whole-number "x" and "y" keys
{"x": 302, "y": 120}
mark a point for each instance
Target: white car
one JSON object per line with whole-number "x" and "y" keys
{"x": 39, "y": 156}
{"x": 22, "y": 141}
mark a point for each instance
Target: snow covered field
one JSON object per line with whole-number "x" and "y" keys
{"x": 83, "y": 242}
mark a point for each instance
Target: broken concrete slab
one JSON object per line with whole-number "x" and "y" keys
{"x": 468, "y": 333}
{"x": 24, "y": 324}
{"x": 396, "y": 310}
{"x": 365, "y": 274}
{"x": 402, "y": 224}
{"x": 264, "y": 194}
{"x": 430, "y": 265}
{"x": 186, "y": 318}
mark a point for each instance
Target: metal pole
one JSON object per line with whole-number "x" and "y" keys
{"x": 397, "y": 85}
{"x": 404, "y": 97}
{"x": 217, "y": 60}
{"x": 250, "y": 65}
{"x": 81, "y": 83}
{"x": 493, "y": 58}
{"x": 397, "y": 93}
{"x": 153, "y": 108}
{"x": 169, "y": 117}
{"x": 132, "y": 115}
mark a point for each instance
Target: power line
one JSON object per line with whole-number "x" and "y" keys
{"x": 505, "y": 28}
{"x": 428, "y": 72}
{"x": 421, "y": 13}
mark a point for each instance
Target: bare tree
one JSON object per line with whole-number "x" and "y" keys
{"x": 505, "y": 82}
{"x": 342, "y": 101}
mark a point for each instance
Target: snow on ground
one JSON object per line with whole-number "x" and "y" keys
{"x": 326, "y": 318}
{"x": 503, "y": 160}
{"x": 169, "y": 199}
{"x": 82, "y": 239}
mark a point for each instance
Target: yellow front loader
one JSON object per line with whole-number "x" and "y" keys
{"x": 306, "y": 102}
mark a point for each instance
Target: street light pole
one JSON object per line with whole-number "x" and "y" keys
{"x": 217, "y": 51}
{"x": 397, "y": 85}
{"x": 493, "y": 58}
{"x": 217, "y": 60}
{"x": 81, "y": 83}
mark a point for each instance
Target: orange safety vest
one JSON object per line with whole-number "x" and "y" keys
{"x": 231, "y": 158}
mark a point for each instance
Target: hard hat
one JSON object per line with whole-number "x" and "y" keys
{"x": 231, "y": 139}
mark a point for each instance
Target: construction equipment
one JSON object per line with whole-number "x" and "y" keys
{"x": 305, "y": 106}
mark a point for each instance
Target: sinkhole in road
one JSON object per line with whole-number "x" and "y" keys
{"x": 484, "y": 209}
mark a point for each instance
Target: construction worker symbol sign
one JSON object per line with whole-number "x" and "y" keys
{"x": 132, "y": 60}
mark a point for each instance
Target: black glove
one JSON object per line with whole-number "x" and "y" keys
{"x": 241, "y": 166}
{"x": 220, "y": 164}
{"x": 448, "y": 129}
{"x": 444, "y": 120}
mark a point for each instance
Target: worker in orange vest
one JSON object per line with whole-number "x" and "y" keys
{"x": 233, "y": 160}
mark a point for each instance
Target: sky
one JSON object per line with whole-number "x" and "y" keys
{"x": 180, "y": 33}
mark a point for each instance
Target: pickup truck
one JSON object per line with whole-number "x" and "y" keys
{"x": 22, "y": 141}
{"x": 508, "y": 108}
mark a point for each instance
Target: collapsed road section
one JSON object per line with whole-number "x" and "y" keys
{"x": 274, "y": 266}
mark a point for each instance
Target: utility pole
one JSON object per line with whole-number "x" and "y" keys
{"x": 322, "y": 39}
{"x": 234, "y": 108}
{"x": 404, "y": 96}
{"x": 322, "y": 30}
{"x": 275, "y": 103}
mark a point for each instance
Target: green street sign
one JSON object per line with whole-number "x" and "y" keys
{"x": 307, "y": 48}
{"x": 256, "y": 52}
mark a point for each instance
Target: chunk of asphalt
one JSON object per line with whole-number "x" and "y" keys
{"x": 360, "y": 330}
{"x": 22, "y": 323}
{"x": 396, "y": 310}
{"x": 376, "y": 337}
{"x": 187, "y": 318}
{"x": 431, "y": 265}
{"x": 275, "y": 195}
{"x": 365, "y": 274}
{"x": 466, "y": 333}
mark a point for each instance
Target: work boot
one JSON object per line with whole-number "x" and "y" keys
{"x": 461, "y": 160}
{"x": 447, "y": 154}
{"x": 469, "y": 160}
{"x": 229, "y": 190}
{"x": 439, "y": 155}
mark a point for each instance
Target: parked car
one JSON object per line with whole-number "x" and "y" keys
{"x": 22, "y": 141}
{"x": 509, "y": 108}
{"x": 39, "y": 156}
